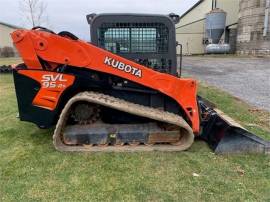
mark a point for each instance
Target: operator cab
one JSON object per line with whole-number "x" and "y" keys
{"x": 146, "y": 39}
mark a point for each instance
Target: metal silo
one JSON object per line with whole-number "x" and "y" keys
{"x": 253, "y": 27}
{"x": 215, "y": 23}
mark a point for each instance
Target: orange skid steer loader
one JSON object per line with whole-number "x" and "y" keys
{"x": 121, "y": 92}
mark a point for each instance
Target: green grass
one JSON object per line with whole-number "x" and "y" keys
{"x": 9, "y": 61}
{"x": 31, "y": 169}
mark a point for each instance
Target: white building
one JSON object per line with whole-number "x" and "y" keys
{"x": 5, "y": 30}
{"x": 190, "y": 31}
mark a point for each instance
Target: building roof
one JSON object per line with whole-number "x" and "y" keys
{"x": 9, "y": 25}
{"x": 193, "y": 7}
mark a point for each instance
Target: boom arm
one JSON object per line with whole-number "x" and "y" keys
{"x": 56, "y": 50}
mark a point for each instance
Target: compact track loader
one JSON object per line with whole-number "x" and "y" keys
{"x": 121, "y": 92}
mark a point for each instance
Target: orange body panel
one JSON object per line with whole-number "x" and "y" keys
{"x": 53, "y": 84}
{"x": 59, "y": 50}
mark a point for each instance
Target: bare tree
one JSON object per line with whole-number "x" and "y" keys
{"x": 34, "y": 12}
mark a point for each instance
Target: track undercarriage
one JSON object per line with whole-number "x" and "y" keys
{"x": 164, "y": 131}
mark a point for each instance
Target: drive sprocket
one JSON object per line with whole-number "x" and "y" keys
{"x": 85, "y": 113}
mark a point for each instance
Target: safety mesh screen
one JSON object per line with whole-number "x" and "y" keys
{"x": 134, "y": 37}
{"x": 159, "y": 64}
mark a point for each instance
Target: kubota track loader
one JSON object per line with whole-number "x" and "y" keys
{"x": 121, "y": 92}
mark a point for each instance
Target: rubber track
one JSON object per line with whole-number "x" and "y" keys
{"x": 125, "y": 106}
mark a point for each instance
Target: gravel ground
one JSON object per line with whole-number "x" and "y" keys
{"x": 245, "y": 78}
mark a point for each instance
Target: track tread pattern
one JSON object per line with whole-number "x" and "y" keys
{"x": 132, "y": 108}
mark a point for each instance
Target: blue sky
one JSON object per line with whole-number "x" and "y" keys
{"x": 70, "y": 14}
